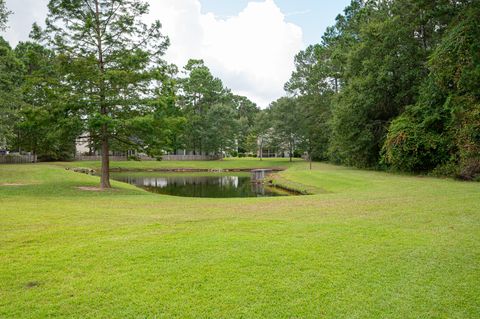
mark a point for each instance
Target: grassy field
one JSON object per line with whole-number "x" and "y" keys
{"x": 367, "y": 245}
{"x": 228, "y": 163}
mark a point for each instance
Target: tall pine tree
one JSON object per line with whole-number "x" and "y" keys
{"x": 112, "y": 63}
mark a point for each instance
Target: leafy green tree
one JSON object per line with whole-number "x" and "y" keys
{"x": 313, "y": 73}
{"x": 314, "y": 127}
{"x": 261, "y": 130}
{"x": 112, "y": 61}
{"x": 200, "y": 91}
{"x": 286, "y": 123}
{"x": 200, "y": 88}
{"x": 11, "y": 70}
{"x": 442, "y": 129}
{"x": 45, "y": 126}
{"x": 312, "y": 84}
{"x": 222, "y": 129}
{"x": 383, "y": 72}
{"x": 245, "y": 113}
{"x": 217, "y": 120}
{"x": 251, "y": 146}
{"x": 4, "y": 13}
{"x": 163, "y": 130}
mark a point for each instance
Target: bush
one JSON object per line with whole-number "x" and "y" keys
{"x": 412, "y": 148}
{"x": 134, "y": 158}
{"x": 470, "y": 170}
{"x": 446, "y": 170}
{"x": 297, "y": 154}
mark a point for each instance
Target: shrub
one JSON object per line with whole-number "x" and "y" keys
{"x": 134, "y": 158}
{"x": 470, "y": 170}
{"x": 411, "y": 147}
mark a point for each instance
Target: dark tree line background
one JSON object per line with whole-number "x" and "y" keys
{"x": 96, "y": 72}
{"x": 393, "y": 85}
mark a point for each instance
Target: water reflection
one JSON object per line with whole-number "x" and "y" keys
{"x": 212, "y": 186}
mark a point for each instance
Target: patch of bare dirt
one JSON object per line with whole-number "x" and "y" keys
{"x": 32, "y": 284}
{"x": 14, "y": 184}
{"x": 90, "y": 189}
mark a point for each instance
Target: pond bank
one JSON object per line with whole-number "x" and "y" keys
{"x": 272, "y": 179}
{"x": 189, "y": 170}
{"x": 203, "y": 184}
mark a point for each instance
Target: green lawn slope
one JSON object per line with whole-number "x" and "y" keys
{"x": 366, "y": 245}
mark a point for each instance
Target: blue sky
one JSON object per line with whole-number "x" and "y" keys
{"x": 313, "y": 16}
{"x": 249, "y": 44}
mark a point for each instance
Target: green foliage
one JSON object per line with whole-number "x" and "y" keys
{"x": 313, "y": 83}
{"x": 285, "y": 118}
{"x": 200, "y": 90}
{"x": 314, "y": 73}
{"x": 245, "y": 113}
{"x": 216, "y": 120}
{"x": 11, "y": 70}
{"x": 412, "y": 146}
{"x": 45, "y": 126}
{"x": 443, "y": 129}
{"x": 383, "y": 70}
{"x": 350, "y": 123}
{"x": 4, "y": 13}
{"x": 393, "y": 83}
{"x": 222, "y": 128}
{"x": 111, "y": 61}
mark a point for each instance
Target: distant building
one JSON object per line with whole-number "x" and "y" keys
{"x": 82, "y": 146}
{"x": 3, "y": 146}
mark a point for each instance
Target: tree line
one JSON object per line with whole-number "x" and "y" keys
{"x": 96, "y": 71}
{"x": 392, "y": 85}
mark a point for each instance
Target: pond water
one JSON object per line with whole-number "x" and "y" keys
{"x": 209, "y": 185}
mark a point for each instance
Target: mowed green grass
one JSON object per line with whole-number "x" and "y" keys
{"x": 227, "y": 163}
{"x": 368, "y": 245}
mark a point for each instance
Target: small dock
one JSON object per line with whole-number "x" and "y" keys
{"x": 258, "y": 175}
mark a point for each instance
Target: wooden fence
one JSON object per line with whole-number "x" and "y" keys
{"x": 99, "y": 158}
{"x": 147, "y": 158}
{"x": 17, "y": 159}
{"x": 112, "y": 158}
{"x": 191, "y": 157}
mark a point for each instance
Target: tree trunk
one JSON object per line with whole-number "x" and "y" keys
{"x": 310, "y": 152}
{"x": 261, "y": 151}
{"x": 291, "y": 152}
{"x": 105, "y": 177}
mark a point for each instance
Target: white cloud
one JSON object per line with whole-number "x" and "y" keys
{"x": 252, "y": 52}
{"x": 25, "y": 13}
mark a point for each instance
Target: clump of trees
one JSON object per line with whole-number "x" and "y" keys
{"x": 216, "y": 119}
{"x": 96, "y": 71}
{"x": 394, "y": 84}
{"x": 4, "y": 13}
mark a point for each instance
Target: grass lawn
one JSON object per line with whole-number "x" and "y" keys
{"x": 228, "y": 163}
{"x": 367, "y": 245}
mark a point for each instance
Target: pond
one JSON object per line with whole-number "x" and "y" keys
{"x": 208, "y": 185}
